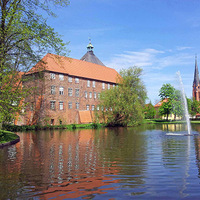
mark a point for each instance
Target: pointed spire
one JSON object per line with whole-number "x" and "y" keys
{"x": 196, "y": 73}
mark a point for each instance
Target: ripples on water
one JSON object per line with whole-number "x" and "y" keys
{"x": 119, "y": 163}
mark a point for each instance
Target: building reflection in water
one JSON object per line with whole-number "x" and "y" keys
{"x": 71, "y": 164}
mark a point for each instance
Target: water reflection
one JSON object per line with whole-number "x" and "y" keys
{"x": 105, "y": 163}
{"x": 73, "y": 164}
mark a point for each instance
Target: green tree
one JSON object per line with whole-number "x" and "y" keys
{"x": 193, "y": 106}
{"x": 166, "y": 93}
{"x": 123, "y": 105}
{"x": 149, "y": 111}
{"x": 177, "y": 104}
{"x": 24, "y": 38}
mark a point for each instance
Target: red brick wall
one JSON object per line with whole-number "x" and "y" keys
{"x": 67, "y": 116}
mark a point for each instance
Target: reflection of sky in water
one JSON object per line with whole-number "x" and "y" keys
{"x": 102, "y": 164}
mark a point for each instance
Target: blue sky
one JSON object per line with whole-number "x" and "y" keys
{"x": 160, "y": 36}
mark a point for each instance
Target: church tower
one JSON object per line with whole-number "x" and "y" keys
{"x": 90, "y": 57}
{"x": 196, "y": 83}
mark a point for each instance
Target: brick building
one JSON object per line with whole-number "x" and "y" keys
{"x": 66, "y": 90}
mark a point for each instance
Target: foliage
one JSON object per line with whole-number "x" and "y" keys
{"x": 16, "y": 128}
{"x": 193, "y": 106}
{"x": 123, "y": 105}
{"x": 149, "y": 111}
{"x": 7, "y": 136}
{"x": 24, "y": 38}
{"x": 166, "y": 93}
{"x": 173, "y": 101}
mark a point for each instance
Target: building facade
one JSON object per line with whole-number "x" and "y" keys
{"x": 66, "y": 90}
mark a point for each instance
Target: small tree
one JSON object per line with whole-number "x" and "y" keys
{"x": 149, "y": 111}
{"x": 123, "y": 105}
{"x": 166, "y": 92}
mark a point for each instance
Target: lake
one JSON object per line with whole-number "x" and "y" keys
{"x": 112, "y": 163}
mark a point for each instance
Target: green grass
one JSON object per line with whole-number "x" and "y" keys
{"x": 7, "y": 136}
{"x": 16, "y": 128}
{"x": 161, "y": 121}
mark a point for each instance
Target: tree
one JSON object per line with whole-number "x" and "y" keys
{"x": 149, "y": 111}
{"x": 166, "y": 93}
{"x": 123, "y": 105}
{"x": 193, "y": 106}
{"x": 24, "y": 38}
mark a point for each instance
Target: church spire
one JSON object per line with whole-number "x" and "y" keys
{"x": 196, "y": 73}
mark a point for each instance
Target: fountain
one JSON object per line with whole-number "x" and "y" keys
{"x": 185, "y": 108}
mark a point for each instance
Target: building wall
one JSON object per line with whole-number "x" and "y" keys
{"x": 64, "y": 109}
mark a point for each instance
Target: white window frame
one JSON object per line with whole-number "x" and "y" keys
{"x": 95, "y": 95}
{"x": 97, "y": 108}
{"x": 88, "y": 83}
{"x": 98, "y": 95}
{"x": 69, "y": 105}
{"x": 69, "y": 79}
{"x": 61, "y": 77}
{"x": 103, "y": 86}
{"x": 77, "y": 91}
{"x": 53, "y": 89}
{"x": 52, "y": 105}
{"x": 108, "y": 86}
{"x": 61, "y": 90}
{"x": 76, "y": 80}
{"x": 87, "y": 107}
{"x": 70, "y": 92}
{"x": 86, "y": 94}
{"x": 90, "y": 95}
{"x": 61, "y": 105}
{"x": 77, "y": 105}
{"x": 93, "y": 84}
{"x": 52, "y": 75}
{"x": 93, "y": 107}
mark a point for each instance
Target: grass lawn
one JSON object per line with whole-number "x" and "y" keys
{"x": 7, "y": 136}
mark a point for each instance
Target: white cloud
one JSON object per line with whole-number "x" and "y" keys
{"x": 159, "y": 67}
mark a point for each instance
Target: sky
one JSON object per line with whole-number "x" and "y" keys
{"x": 160, "y": 36}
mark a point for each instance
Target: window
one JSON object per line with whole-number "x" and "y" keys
{"x": 97, "y": 107}
{"x": 108, "y": 86}
{"x": 76, "y": 80}
{"x": 93, "y": 107}
{"x": 95, "y": 95}
{"x": 61, "y": 105}
{"x": 52, "y": 75}
{"x": 53, "y": 89}
{"x": 52, "y": 121}
{"x": 88, "y": 83}
{"x": 77, "y": 92}
{"x": 52, "y": 105}
{"x": 86, "y": 94}
{"x": 103, "y": 86}
{"x": 61, "y": 90}
{"x": 90, "y": 95}
{"x": 69, "y": 79}
{"x": 32, "y": 106}
{"x": 87, "y": 107}
{"x": 70, "y": 92}
{"x": 113, "y": 85}
{"x": 61, "y": 77}
{"x": 93, "y": 84}
{"x": 77, "y": 105}
{"x": 70, "y": 105}
{"x": 98, "y": 95}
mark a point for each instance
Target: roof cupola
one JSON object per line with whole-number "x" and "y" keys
{"x": 90, "y": 46}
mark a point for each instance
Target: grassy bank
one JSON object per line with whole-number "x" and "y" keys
{"x": 7, "y": 136}
{"x": 16, "y": 128}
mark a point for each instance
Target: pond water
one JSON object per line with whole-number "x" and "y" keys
{"x": 119, "y": 163}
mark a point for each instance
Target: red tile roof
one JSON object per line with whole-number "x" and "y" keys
{"x": 160, "y": 103}
{"x": 75, "y": 67}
